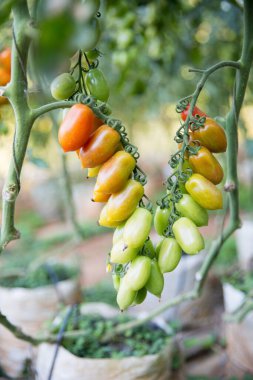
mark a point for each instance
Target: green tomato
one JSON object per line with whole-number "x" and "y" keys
{"x": 118, "y": 234}
{"x": 87, "y": 35}
{"x": 97, "y": 85}
{"x": 138, "y": 273}
{"x": 161, "y": 219}
{"x": 120, "y": 254}
{"x": 192, "y": 210}
{"x": 169, "y": 255}
{"x": 92, "y": 55}
{"x": 126, "y": 295}
{"x": 137, "y": 228}
{"x": 63, "y": 86}
{"x": 188, "y": 236}
{"x": 149, "y": 249}
{"x": 155, "y": 282}
{"x": 116, "y": 281}
{"x": 140, "y": 296}
{"x": 158, "y": 247}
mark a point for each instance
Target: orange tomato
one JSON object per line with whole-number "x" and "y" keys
{"x": 5, "y": 59}
{"x": 98, "y": 196}
{"x": 122, "y": 204}
{"x": 206, "y": 164}
{"x": 211, "y": 135}
{"x": 76, "y": 127}
{"x": 196, "y": 111}
{"x": 115, "y": 172}
{"x": 5, "y": 76}
{"x": 100, "y": 147}
{"x": 97, "y": 122}
{"x": 204, "y": 192}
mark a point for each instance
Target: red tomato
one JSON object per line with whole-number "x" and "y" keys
{"x": 196, "y": 111}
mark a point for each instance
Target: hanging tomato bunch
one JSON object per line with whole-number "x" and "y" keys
{"x": 191, "y": 188}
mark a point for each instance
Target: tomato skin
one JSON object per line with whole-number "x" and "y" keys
{"x": 158, "y": 247}
{"x": 196, "y": 111}
{"x": 5, "y": 59}
{"x": 206, "y": 164}
{"x": 188, "y": 236}
{"x": 120, "y": 254}
{"x": 169, "y": 255}
{"x": 155, "y": 282}
{"x": 126, "y": 295}
{"x": 122, "y": 204}
{"x": 63, "y": 86}
{"x": 204, "y": 192}
{"x": 140, "y": 297}
{"x": 76, "y": 128}
{"x": 192, "y": 210}
{"x": 138, "y": 273}
{"x": 100, "y": 197}
{"x": 161, "y": 219}
{"x": 101, "y": 145}
{"x": 137, "y": 228}
{"x": 104, "y": 221}
{"x": 97, "y": 122}
{"x": 92, "y": 172}
{"x": 118, "y": 234}
{"x": 115, "y": 172}
{"x": 211, "y": 135}
{"x": 5, "y": 76}
{"x": 116, "y": 281}
{"x": 97, "y": 85}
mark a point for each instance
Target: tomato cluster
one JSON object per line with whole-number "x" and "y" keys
{"x": 195, "y": 194}
{"x": 5, "y": 70}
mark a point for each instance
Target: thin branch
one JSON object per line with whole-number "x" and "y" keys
{"x": 37, "y": 112}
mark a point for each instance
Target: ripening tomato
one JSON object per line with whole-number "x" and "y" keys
{"x": 211, "y": 135}
{"x": 192, "y": 210}
{"x": 120, "y": 254}
{"x": 100, "y": 197}
{"x": 116, "y": 281}
{"x": 122, "y": 204}
{"x": 140, "y": 297}
{"x": 155, "y": 282}
{"x": 76, "y": 128}
{"x": 104, "y": 221}
{"x": 204, "y": 192}
{"x": 115, "y": 172}
{"x": 196, "y": 111}
{"x": 5, "y": 59}
{"x": 206, "y": 164}
{"x": 5, "y": 76}
{"x": 138, "y": 273}
{"x": 137, "y": 228}
{"x": 97, "y": 122}
{"x": 92, "y": 172}
{"x": 63, "y": 86}
{"x": 100, "y": 147}
{"x": 97, "y": 85}
{"x": 126, "y": 295}
{"x": 118, "y": 234}
{"x": 188, "y": 236}
{"x": 161, "y": 219}
{"x": 169, "y": 255}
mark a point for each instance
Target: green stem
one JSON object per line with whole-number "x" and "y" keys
{"x": 17, "y": 90}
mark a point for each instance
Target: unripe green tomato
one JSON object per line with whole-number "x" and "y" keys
{"x": 138, "y": 273}
{"x": 155, "y": 282}
{"x": 97, "y": 85}
{"x": 140, "y": 296}
{"x": 116, "y": 281}
{"x": 158, "y": 247}
{"x": 169, "y": 255}
{"x": 161, "y": 220}
{"x": 88, "y": 36}
{"x": 90, "y": 8}
{"x": 63, "y": 86}
{"x": 149, "y": 249}
{"x": 192, "y": 210}
{"x": 118, "y": 234}
{"x": 92, "y": 55}
{"x": 188, "y": 236}
{"x": 137, "y": 228}
{"x": 126, "y": 295}
{"x": 120, "y": 254}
